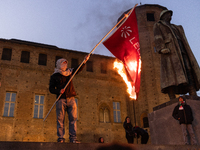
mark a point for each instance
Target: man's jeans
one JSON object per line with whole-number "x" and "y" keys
{"x": 185, "y": 128}
{"x": 68, "y": 105}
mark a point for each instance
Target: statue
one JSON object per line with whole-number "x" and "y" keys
{"x": 180, "y": 72}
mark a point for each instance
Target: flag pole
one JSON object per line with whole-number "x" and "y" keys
{"x": 135, "y": 117}
{"x": 125, "y": 16}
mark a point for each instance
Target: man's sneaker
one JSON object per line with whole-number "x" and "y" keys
{"x": 61, "y": 140}
{"x": 75, "y": 141}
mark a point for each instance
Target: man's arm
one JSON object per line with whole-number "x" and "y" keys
{"x": 52, "y": 86}
{"x": 175, "y": 113}
{"x": 83, "y": 65}
{"x": 191, "y": 113}
{"x": 159, "y": 41}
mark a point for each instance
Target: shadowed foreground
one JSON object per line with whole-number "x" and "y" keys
{"x": 89, "y": 146}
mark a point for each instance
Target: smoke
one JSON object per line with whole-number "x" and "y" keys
{"x": 98, "y": 19}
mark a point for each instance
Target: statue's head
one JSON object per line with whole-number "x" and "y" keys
{"x": 164, "y": 13}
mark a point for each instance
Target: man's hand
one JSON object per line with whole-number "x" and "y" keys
{"x": 165, "y": 51}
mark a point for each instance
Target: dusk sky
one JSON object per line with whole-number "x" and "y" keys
{"x": 80, "y": 24}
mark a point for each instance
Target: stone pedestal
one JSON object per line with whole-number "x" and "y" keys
{"x": 164, "y": 129}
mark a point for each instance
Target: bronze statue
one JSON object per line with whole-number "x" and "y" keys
{"x": 180, "y": 72}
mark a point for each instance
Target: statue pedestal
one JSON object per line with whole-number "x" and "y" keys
{"x": 164, "y": 129}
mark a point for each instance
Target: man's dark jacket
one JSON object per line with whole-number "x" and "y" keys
{"x": 58, "y": 82}
{"x": 185, "y": 115}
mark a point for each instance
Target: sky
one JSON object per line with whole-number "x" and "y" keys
{"x": 80, "y": 24}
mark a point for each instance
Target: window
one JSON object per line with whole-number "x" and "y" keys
{"x": 57, "y": 57}
{"x": 104, "y": 115}
{"x": 7, "y": 53}
{"x": 145, "y": 122}
{"x": 42, "y": 59}
{"x": 103, "y": 68}
{"x": 74, "y": 63}
{"x": 38, "y": 106}
{"x": 25, "y": 56}
{"x": 89, "y": 66}
{"x": 116, "y": 112}
{"x": 9, "y": 106}
{"x": 150, "y": 17}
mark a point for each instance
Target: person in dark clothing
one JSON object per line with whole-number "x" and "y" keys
{"x": 66, "y": 102}
{"x": 183, "y": 113}
{"x": 130, "y": 134}
{"x": 143, "y": 133}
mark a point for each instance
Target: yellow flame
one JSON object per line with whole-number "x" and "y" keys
{"x": 121, "y": 71}
{"x": 139, "y": 68}
{"x": 133, "y": 65}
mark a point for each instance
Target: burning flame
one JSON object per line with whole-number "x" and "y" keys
{"x": 134, "y": 66}
{"x": 121, "y": 71}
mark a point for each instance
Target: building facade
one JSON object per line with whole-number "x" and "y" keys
{"x": 26, "y": 68}
{"x": 102, "y": 100}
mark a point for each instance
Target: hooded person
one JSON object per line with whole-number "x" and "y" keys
{"x": 179, "y": 72}
{"x": 62, "y": 74}
{"x": 183, "y": 113}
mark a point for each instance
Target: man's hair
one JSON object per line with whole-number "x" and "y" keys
{"x": 184, "y": 99}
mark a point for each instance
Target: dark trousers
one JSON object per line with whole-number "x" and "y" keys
{"x": 144, "y": 138}
{"x": 129, "y": 138}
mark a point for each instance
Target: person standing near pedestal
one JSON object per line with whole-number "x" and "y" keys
{"x": 183, "y": 113}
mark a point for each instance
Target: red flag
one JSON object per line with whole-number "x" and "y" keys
{"x": 124, "y": 45}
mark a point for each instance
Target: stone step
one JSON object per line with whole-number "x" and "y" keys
{"x": 90, "y": 146}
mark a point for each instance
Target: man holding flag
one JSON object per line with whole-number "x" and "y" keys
{"x": 65, "y": 98}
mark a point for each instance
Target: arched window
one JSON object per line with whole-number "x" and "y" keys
{"x": 144, "y": 120}
{"x": 104, "y": 114}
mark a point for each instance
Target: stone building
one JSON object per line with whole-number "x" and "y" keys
{"x": 102, "y": 100}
